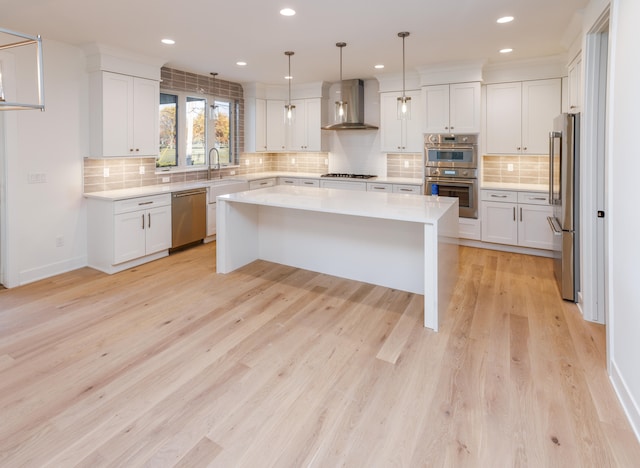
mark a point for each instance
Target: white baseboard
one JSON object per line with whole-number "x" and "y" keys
{"x": 627, "y": 401}
{"x": 506, "y": 248}
{"x": 52, "y": 269}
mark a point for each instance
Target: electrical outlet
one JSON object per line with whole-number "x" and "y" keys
{"x": 326, "y": 162}
{"x": 166, "y": 179}
{"x": 141, "y": 170}
{"x": 509, "y": 167}
{"x": 37, "y": 178}
{"x": 247, "y": 162}
{"x": 59, "y": 241}
{"x": 232, "y": 173}
{"x": 293, "y": 160}
{"x": 105, "y": 172}
{"x": 260, "y": 161}
{"x": 406, "y": 164}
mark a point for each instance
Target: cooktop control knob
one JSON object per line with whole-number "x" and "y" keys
{"x": 433, "y": 138}
{"x": 465, "y": 139}
{"x": 465, "y": 173}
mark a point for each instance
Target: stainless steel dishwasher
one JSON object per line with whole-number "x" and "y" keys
{"x": 188, "y": 217}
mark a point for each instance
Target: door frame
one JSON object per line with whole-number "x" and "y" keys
{"x": 593, "y": 172}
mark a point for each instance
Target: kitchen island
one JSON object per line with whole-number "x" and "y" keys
{"x": 405, "y": 242}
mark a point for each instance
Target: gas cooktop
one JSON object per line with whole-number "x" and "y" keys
{"x": 348, "y": 176}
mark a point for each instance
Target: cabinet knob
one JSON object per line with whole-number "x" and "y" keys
{"x": 451, "y": 128}
{"x": 518, "y": 148}
{"x": 525, "y": 148}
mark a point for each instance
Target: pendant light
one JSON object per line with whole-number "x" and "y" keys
{"x": 289, "y": 109}
{"x": 341, "y": 105}
{"x": 404, "y": 102}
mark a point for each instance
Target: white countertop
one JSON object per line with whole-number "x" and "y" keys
{"x": 123, "y": 194}
{"x": 383, "y": 205}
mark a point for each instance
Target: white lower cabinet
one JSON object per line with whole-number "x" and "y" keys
{"x": 298, "y": 182}
{"x": 212, "y": 192}
{"x": 516, "y": 218}
{"x": 126, "y": 233}
{"x": 262, "y": 183}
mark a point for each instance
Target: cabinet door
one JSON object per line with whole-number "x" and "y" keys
{"x": 533, "y": 228}
{"x": 437, "y": 109}
{"x": 158, "y": 229}
{"x": 211, "y": 219}
{"x": 504, "y": 118}
{"x": 464, "y": 107}
{"x": 129, "y": 236}
{"x": 261, "y": 125}
{"x": 575, "y": 85}
{"x": 298, "y": 131}
{"x": 412, "y": 129}
{"x": 401, "y": 135}
{"x": 275, "y": 126}
{"x": 390, "y": 125}
{"x": 117, "y": 114}
{"x": 541, "y": 103}
{"x": 146, "y": 96}
{"x": 313, "y": 129}
{"x": 499, "y": 223}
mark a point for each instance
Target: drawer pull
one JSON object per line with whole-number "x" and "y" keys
{"x": 538, "y": 198}
{"x": 406, "y": 190}
{"x": 493, "y": 195}
{"x": 145, "y": 203}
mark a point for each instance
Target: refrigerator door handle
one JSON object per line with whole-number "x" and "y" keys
{"x": 554, "y": 225}
{"x": 552, "y": 156}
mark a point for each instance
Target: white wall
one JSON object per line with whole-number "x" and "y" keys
{"x": 40, "y": 216}
{"x": 624, "y": 167}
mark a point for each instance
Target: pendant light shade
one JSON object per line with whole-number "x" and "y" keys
{"x": 341, "y": 105}
{"x": 404, "y": 102}
{"x": 289, "y": 109}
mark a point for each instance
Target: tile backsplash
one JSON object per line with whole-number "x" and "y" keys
{"x": 138, "y": 172}
{"x": 525, "y": 169}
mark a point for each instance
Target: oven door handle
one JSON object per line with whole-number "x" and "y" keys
{"x": 445, "y": 180}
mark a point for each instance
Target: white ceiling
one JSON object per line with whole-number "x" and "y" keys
{"x": 212, "y": 35}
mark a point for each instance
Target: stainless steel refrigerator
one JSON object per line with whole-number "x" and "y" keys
{"x": 564, "y": 159}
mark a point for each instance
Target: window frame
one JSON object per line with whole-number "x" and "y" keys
{"x": 181, "y": 138}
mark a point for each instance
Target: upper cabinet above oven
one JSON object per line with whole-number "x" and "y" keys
{"x": 452, "y": 108}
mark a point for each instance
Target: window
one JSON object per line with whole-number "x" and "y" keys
{"x": 190, "y": 125}
{"x": 168, "y": 152}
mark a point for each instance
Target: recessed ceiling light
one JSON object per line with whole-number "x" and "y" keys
{"x": 168, "y": 41}
{"x": 287, "y": 12}
{"x": 379, "y": 66}
{"x": 505, "y": 19}
{"x": 505, "y": 51}
{"x": 241, "y": 63}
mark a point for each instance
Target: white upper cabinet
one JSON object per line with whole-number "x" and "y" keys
{"x": 261, "y": 125}
{"x": 575, "y": 85}
{"x": 306, "y": 133}
{"x": 276, "y": 136}
{"x": 124, "y": 115}
{"x": 452, "y": 108}
{"x": 396, "y": 135}
{"x": 520, "y": 116}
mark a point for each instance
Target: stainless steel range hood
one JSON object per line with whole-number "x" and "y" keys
{"x": 352, "y": 91}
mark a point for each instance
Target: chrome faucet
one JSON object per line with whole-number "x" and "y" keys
{"x": 218, "y": 167}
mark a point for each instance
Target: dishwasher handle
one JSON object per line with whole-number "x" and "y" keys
{"x": 188, "y": 193}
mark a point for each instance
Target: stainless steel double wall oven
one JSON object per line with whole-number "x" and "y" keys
{"x": 452, "y": 169}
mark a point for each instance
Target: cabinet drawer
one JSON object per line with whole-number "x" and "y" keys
{"x": 262, "y": 183}
{"x": 499, "y": 196}
{"x": 141, "y": 203}
{"x": 287, "y": 181}
{"x": 533, "y": 198}
{"x": 374, "y": 187}
{"x": 417, "y": 189}
{"x": 309, "y": 183}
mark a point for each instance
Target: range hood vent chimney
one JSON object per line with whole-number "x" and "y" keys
{"x": 352, "y": 92}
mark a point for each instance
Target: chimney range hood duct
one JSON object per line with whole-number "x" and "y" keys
{"x": 352, "y": 91}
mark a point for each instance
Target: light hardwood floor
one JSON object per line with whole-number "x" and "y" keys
{"x": 170, "y": 364}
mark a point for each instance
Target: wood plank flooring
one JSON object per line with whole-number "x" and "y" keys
{"x": 170, "y": 364}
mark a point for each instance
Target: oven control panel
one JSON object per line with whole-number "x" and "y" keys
{"x": 452, "y": 172}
